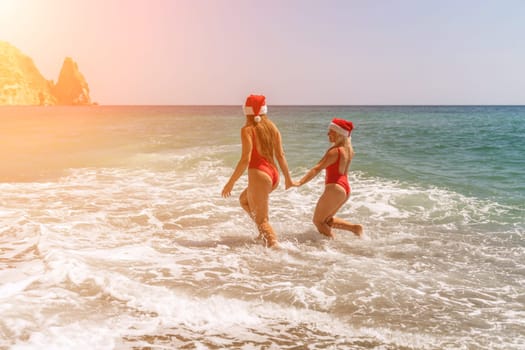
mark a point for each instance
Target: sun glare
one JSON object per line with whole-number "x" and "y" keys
{"x": 8, "y": 10}
{"x": 7, "y": 6}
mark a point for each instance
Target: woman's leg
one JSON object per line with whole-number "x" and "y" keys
{"x": 258, "y": 195}
{"x": 330, "y": 201}
{"x": 339, "y": 223}
{"x": 243, "y": 199}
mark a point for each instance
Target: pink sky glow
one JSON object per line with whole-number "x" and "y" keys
{"x": 342, "y": 52}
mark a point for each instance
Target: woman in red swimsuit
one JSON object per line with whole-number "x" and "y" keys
{"x": 336, "y": 161}
{"x": 261, "y": 145}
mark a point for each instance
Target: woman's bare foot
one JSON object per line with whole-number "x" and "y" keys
{"x": 268, "y": 235}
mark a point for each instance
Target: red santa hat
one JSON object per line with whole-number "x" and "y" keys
{"x": 255, "y": 105}
{"x": 341, "y": 126}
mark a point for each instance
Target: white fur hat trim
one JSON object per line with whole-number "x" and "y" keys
{"x": 339, "y": 130}
{"x": 248, "y": 110}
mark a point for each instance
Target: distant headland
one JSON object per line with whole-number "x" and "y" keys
{"x": 21, "y": 83}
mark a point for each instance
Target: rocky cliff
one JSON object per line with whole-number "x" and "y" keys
{"x": 22, "y": 84}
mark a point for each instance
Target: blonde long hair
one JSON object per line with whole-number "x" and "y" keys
{"x": 267, "y": 136}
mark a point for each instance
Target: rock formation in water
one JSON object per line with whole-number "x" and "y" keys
{"x": 71, "y": 88}
{"x": 22, "y": 84}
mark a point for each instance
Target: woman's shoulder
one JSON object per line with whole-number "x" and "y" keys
{"x": 246, "y": 130}
{"x": 333, "y": 149}
{"x": 332, "y": 152}
{"x": 272, "y": 128}
{"x": 270, "y": 124}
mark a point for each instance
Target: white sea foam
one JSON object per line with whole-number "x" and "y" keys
{"x": 158, "y": 258}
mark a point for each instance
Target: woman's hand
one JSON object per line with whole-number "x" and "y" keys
{"x": 227, "y": 190}
{"x": 290, "y": 183}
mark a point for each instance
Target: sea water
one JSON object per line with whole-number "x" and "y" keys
{"x": 114, "y": 235}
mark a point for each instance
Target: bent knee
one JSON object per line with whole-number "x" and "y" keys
{"x": 320, "y": 222}
{"x": 317, "y": 222}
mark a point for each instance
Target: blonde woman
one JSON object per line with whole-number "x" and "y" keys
{"x": 336, "y": 161}
{"x": 261, "y": 145}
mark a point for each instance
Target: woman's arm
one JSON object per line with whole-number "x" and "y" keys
{"x": 242, "y": 164}
{"x": 281, "y": 159}
{"x": 328, "y": 159}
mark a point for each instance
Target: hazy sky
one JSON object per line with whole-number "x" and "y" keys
{"x": 293, "y": 51}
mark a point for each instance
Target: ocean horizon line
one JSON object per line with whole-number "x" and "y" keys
{"x": 275, "y": 105}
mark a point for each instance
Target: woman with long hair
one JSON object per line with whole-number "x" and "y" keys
{"x": 336, "y": 161}
{"x": 261, "y": 146}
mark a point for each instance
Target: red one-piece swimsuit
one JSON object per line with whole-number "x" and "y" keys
{"x": 334, "y": 177}
{"x": 259, "y": 162}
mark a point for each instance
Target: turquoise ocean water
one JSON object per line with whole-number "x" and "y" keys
{"x": 113, "y": 233}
